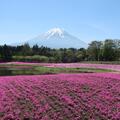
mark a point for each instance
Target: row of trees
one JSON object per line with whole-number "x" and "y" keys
{"x": 108, "y": 50}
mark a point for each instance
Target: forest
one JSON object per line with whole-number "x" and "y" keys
{"x": 107, "y": 50}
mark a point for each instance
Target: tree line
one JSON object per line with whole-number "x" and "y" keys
{"x": 107, "y": 50}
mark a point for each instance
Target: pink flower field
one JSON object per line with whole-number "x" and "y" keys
{"x": 73, "y": 65}
{"x": 86, "y": 96}
{"x": 83, "y": 65}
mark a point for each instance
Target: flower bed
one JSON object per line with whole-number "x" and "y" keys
{"x": 83, "y": 65}
{"x": 87, "y": 96}
{"x": 72, "y": 65}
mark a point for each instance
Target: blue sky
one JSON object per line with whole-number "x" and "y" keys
{"x": 88, "y": 20}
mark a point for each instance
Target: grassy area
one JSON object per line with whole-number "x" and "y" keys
{"x": 102, "y": 62}
{"x": 12, "y": 69}
{"x": 46, "y": 70}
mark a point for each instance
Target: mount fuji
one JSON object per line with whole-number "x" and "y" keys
{"x": 57, "y": 38}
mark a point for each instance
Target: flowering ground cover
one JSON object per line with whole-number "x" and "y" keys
{"x": 83, "y": 65}
{"x": 72, "y": 65}
{"x": 25, "y": 69}
{"x": 86, "y": 96}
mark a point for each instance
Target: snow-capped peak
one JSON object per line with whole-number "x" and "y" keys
{"x": 57, "y": 38}
{"x": 55, "y": 31}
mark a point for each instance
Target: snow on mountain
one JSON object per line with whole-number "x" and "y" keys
{"x": 54, "y": 31}
{"x": 57, "y": 38}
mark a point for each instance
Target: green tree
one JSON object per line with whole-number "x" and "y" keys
{"x": 26, "y": 50}
{"x": 35, "y": 49}
{"x": 109, "y": 50}
{"x": 94, "y": 50}
{"x": 6, "y": 53}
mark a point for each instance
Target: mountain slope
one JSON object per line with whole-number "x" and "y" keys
{"x": 57, "y": 38}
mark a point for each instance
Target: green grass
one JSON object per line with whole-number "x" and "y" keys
{"x": 102, "y": 62}
{"x": 49, "y": 70}
{"x": 11, "y": 69}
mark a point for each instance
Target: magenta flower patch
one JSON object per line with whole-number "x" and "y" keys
{"x": 89, "y": 96}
